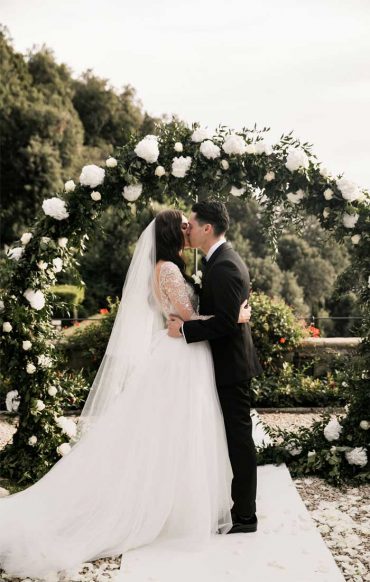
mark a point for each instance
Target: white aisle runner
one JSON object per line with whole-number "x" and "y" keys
{"x": 286, "y": 548}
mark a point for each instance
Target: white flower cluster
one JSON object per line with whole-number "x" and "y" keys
{"x": 295, "y": 197}
{"x": 44, "y": 361}
{"x": 357, "y": 456}
{"x": 12, "y": 401}
{"x": 132, "y": 193}
{"x": 198, "y": 278}
{"x": 349, "y": 220}
{"x": 67, "y": 426}
{"x": 64, "y": 449}
{"x": 237, "y": 191}
{"x": 7, "y": 327}
{"x": 147, "y": 149}
{"x": 297, "y": 159}
{"x": 111, "y": 162}
{"x": 30, "y": 368}
{"x": 32, "y": 440}
{"x": 55, "y": 207}
{"x": 349, "y": 190}
{"x": 261, "y": 147}
{"x": 26, "y": 237}
{"x": 69, "y": 186}
{"x": 15, "y": 253}
{"x": 234, "y": 145}
{"x": 332, "y": 430}
{"x": 92, "y": 176}
{"x": 35, "y": 298}
{"x": 209, "y": 150}
{"x": 201, "y": 134}
{"x": 180, "y": 166}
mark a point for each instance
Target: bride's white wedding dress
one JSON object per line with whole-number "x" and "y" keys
{"x": 154, "y": 466}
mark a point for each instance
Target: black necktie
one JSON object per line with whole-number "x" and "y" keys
{"x": 204, "y": 261}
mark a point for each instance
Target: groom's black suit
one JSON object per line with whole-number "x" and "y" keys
{"x": 225, "y": 286}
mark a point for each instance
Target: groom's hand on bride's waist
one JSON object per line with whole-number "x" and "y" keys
{"x": 174, "y": 325}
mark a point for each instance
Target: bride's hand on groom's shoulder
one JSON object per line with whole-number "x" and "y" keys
{"x": 245, "y": 312}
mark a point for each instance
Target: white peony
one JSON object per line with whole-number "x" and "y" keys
{"x": 12, "y": 401}
{"x": 357, "y": 456}
{"x": 7, "y": 326}
{"x": 26, "y": 237}
{"x": 237, "y": 191}
{"x": 39, "y": 405}
{"x": 2, "y": 306}
{"x": 349, "y": 220}
{"x": 349, "y": 190}
{"x": 178, "y": 147}
{"x": 64, "y": 449}
{"x": 57, "y": 265}
{"x": 45, "y": 239}
{"x": 32, "y": 440}
{"x": 201, "y": 134}
{"x": 69, "y": 186}
{"x": 356, "y": 239}
{"x": 234, "y": 144}
{"x": 42, "y": 265}
{"x": 132, "y": 193}
{"x": 44, "y": 361}
{"x": 147, "y": 149}
{"x": 35, "y": 298}
{"x": 326, "y": 212}
{"x": 111, "y": 162}
{"x": 250, "y": 148}
{"x": 180, "y": 166}
{"x": 269, "y": 176}
{"x": 328, "y": 194}
{"x": 56, "y": 208}
{"x": 296, "y": 197}
{"x": 26, "y": 345}
{"x": 15, "y": 253}
{"x": 209, "y": 150}
{"x": 332, "y": 430}
{"x": 92, "y": 176}
{"x": 62, "y": 242}
{"x": 365, "y": 425}
{"x": 296, "y": 160}
{"x": 30, "y": 368}
{"x": 263, "y": 148}
{"x": 96, "y": 196}
{"x": 67, "y": 426}
{"x": 160, "y": 171}
{"x": 52, "y": 390}
{"x": 225, "y": 164}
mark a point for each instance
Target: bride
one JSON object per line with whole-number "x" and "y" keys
{"x": 150, "y": 461}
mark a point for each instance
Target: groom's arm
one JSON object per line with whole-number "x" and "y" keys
{"x": 227, "y": 287}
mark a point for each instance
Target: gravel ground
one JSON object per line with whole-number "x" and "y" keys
{"x": 342, "y": 515}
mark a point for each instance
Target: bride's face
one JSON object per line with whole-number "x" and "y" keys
{"x": 185, "y": 231}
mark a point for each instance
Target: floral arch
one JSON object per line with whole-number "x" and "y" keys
{"x": 288, "y": 182}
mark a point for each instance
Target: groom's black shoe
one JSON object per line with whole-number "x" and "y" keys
{"x": 243, "y": 524}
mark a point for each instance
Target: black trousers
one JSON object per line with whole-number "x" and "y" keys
{"x": 235, "y": 403}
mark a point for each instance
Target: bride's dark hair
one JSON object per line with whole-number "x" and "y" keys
{"x": 169, "y": 239}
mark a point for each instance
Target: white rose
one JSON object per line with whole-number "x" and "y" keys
{"x": 64, "y": 449}
{"x": 132, "y": 193}
{"x": 225, "y": 164}
{"x": 35, "y": 298}
{"x": 349, "y": 220}
{"x": 26, "y": 237}
{"x": 32, "y": 440}
{"x": 44, "y": 361}
{"x": 92, "y": 176}
{"x": 234, "y": 144}
{"x": 311, "y": 454}
{"x": 2, "y": 306}
{"x": 328, "y": 194}
{"x": 96, "y": 196}
{"x": 39, "y": 405}
{"x": 357, "y": 456}
{"x": 30, "y": 368}
{"x": 15, "y": 253}
{"x": 160, "y": 171}
{"x": 180, "y": 166}
{"x": 209, "y": 150}
{"x": 269, "y": 176}
{"x": 324, "y": 172}
{"x": 178, "y": 147}
{"x": 52, "y": 390}
{"x": 263, "y": 148}
{"x": 12, "y": 401}
{"x": 69, "y": 186}
{"x": 349, "y": 190}
{"x": 147, "y": 149}
{"x": 62, "y": 242}
{"x": 56, "y": 208}
{"x": 296, "y": 160}
{"x": 296, "y": 197}
{"x": 42, "y": 265}
{"x": 57, "y": 265}
{"x": 365, "y": 425}
{"x": 332, "y": 430}
{"x": 26, "y": 345}
{"x": 111, "y": 162}
{"x": 200, "y": 134}
{"x": 237, "y": 191}
{"x": 7, "y": 326}
{"x": 356, "y": 239}
{"x": 67, "y": 426}
{"x": 250, "y": 148}
{"x": 326, "y": 212}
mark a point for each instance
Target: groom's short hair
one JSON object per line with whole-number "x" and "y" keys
{"x": 212, "y": 212}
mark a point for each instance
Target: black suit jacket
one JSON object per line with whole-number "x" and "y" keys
{"x": 225, "y": 286}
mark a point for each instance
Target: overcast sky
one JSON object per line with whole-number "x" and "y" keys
{"x": 289, "y": 64}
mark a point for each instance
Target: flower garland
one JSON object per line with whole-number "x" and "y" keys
{"x": 180, "y": 162}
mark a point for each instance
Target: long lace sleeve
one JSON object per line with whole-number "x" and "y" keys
{"x": 174, "y": 289}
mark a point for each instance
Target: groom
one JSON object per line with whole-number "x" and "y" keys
{"x": 225, "y": 285}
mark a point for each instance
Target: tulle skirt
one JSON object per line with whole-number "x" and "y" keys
{"x": 155, "y": 467}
